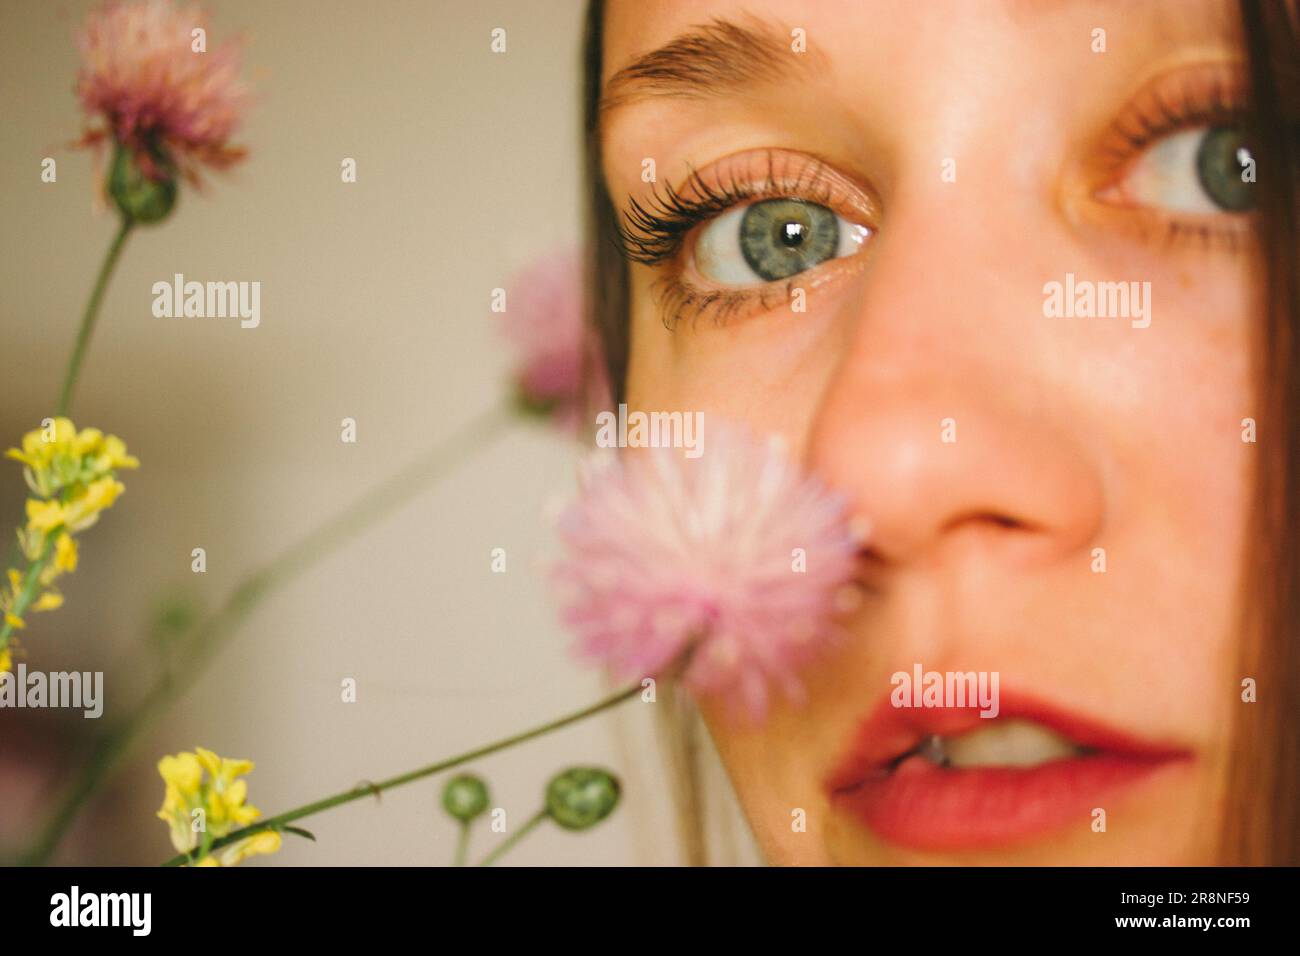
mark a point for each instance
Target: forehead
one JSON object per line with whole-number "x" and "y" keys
{"x": 854, "y": 31}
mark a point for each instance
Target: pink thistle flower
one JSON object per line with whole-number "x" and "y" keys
{"x": 673, "y": 562}
{"x": 558, "y": 370}
{"x": 160, "y": 100}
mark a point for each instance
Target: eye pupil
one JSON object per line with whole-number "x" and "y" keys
{"x": 792, "y": 234}
{"x": 782, "y": 237}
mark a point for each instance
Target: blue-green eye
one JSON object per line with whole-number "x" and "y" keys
{"x": 773, "y": 239}
{"x": 1206, "y": 170}
{"x": 1222, "y": 160}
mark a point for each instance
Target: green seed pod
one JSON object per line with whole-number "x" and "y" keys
{"x": 581, "y": 797}
{"x": 140, "y": 198}
{"x": 465, "y": 797}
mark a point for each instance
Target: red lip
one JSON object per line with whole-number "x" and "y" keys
{"x": 922, "y": 805}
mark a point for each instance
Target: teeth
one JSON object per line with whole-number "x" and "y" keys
{"x": 1007, "y": 743}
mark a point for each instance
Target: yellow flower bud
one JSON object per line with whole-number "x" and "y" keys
{"x": 65, "y": 553}
{"x": 49, "y": 601}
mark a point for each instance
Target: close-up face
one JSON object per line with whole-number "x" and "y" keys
{"x": 988, "y": 268}
{"x": 646, "y": 434}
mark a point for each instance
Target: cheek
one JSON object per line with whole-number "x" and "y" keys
{"x": 1184, "y": 491}
{"x": 1182, "y": 471}
{"x": 768, "y": 371}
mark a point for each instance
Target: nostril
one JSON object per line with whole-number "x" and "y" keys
{"x": 1003, "y": 521}
{"x": 994, "y": 519}
{"x": 871, "y": 567}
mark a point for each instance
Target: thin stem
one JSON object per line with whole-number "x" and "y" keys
{"x": 373, "y": 789}
{"x": 91, "y": 314}
{"x": 508, "y": 843}
{"x": 462, "y": 844}
{"x": 26, "y": 594}
{"x": 211, "y": 634}
{"x": 88, "y": 318}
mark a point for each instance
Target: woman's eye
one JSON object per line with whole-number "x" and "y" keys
{"x": 773, "y": 239}
{"x": 1201, "y": 170}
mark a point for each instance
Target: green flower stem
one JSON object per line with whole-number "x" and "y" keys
{"x": 79, "y": 347}
{"x": 508, "y": 843}
{"x": 27, "y": 594}
{"x": 91, "y": 314}
{"x": 373, "y": 789}
{"x": 212, "y": 632}
{"x": 462, "y": 844}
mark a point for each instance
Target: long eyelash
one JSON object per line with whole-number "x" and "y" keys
{"x": 652, "y": 232}
{"x": 1205, "y": 236}
{"x": 678, "y": 301}
{"x": 1155, "y": 116}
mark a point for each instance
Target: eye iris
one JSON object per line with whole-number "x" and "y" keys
{"x": 782, "y": 237}
{"x": 1220, "y": 160}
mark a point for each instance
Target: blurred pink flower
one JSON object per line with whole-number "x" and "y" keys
{"x": 667, "y": 554}
{"x": 558, "y": 369}
{"x": 156, "y": 95}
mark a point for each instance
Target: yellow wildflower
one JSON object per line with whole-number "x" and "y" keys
{"x": 63, "y": 433}
{"x": 204, "y": 801}
{"x": 41, "y": 445}
{"x": 114, "y": 456}
{"x": 6, "y": 661}
{"x": 87, "y": 442}
{"x": 83, "y": 510}
{"x": 268, "y": 841}
{"x": 182, "y": 775}
{"x": 44, "y": 515}
{"x": 58, "y": 456}
{"x": 49, "y": 601}
{"x": 73, "y": 477}
{"x": 65, "y": 553}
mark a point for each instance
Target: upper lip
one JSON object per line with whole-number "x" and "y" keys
{"x": 890, "y": 733}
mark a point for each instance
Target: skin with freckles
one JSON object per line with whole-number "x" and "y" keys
{"x": 988, "y": 149}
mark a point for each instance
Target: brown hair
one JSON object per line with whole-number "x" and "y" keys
{"x": 1262, "y": 825}
{"x": 607, "y": 278}
{"x": 1263, "y": 805}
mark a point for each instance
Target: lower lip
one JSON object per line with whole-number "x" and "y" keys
{"x": 927, "y": 807}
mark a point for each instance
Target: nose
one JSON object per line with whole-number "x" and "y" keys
{"x": 951, "y": 422}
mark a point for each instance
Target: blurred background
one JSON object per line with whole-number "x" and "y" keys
{"x": 375, "y": 306}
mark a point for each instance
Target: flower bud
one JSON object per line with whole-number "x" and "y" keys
{"x": 581, "y": 797}
{"x": 465, "y": 797}
{"x": 143, "y": 187}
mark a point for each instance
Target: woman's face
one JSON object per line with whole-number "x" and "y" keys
{"x": 1056, "y": 490}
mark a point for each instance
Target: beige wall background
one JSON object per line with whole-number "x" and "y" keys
{"x": 374, "y": 306}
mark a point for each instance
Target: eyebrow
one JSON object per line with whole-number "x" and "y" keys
{"x": 711, "y": 60}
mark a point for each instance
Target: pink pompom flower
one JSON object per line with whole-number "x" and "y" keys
{"x": 158, "y": 97}
{"x": 728, "y": 569}
{"x": 558, "y": 371}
